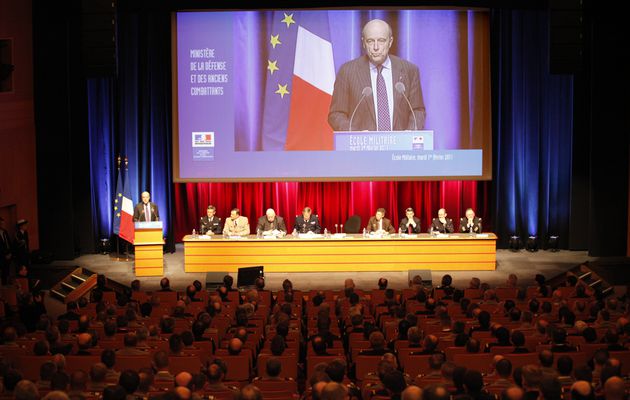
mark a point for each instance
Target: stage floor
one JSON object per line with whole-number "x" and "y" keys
{"x": 523, "y": 263}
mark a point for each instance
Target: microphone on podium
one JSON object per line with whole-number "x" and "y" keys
{"x": 366, "y": 92}
{"x": 400, "y": 88}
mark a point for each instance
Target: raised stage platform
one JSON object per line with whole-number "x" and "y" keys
{"x": 341, "y": 253}
{"x": 522, "y": 263}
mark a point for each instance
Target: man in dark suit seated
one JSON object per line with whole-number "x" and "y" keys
{"x": 410, "y": 223}
{"x": 319, "y": 346}
{"x": 518, "y": 340}
{"x": 146, "y": 211}
{"x": 374, "y": 87}
{"x": 503, "y": 339}
{"x": 429, "y": 346}
{"x": 215, "y": 372}
{"x": 442, "y": 224}
{"x": 379, "y": 224}
{"x": 210, "y": 224}
{"x": 307, "y": 222}
{"x": 165, "y": 285}
{"x": 470, "y": 223}
{"x": 71, "y": 312}
{"x": 560, "y": 345}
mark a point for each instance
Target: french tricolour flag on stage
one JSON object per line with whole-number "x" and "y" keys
{"x": 300, "y": 80}
{"x": 127, "y": 230}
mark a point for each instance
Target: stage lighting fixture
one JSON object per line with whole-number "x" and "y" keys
{"x": 532, "y": 244}
{"x": 553, "y": 243}
{"x": 515, "y": 243}
{"x": 104, "y": 247}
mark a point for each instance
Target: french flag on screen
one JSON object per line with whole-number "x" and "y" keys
{"x": 300, "y": 79}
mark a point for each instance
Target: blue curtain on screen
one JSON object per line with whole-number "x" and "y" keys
{"x": 533, "y": 130}
{"x": 130, "y": 115}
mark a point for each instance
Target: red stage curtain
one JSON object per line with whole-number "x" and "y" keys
{"x": 333, "y": 201}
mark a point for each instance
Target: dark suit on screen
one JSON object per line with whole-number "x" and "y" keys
{"x": 354, "y": 76}
{"x": 405, "y": 222}
{"x": 312, "y": 225}
{"x": 206, "y": 225}
{"x": 438, "y": 226}
{"x": 387, "y": 225}
{"x": 139, "y": 213}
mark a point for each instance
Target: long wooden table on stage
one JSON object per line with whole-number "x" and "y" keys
{"x": 353, "y": 253}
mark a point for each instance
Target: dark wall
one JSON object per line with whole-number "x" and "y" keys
{"x": 61, "y": 123}
{"x": 609, "y": 130}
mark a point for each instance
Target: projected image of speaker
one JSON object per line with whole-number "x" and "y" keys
{"x": 247, "y": 276}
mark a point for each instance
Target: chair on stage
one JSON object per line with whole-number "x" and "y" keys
{"x": 353, "y": 224}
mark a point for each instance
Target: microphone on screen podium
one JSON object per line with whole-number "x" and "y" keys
{"x": 400, "y": 88}
{"x": 366, "y": 92}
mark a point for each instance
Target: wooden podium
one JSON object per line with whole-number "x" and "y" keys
{"x": 149, "y": 244}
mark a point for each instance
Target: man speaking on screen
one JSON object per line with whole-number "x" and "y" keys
{"x": 378, "y": 91}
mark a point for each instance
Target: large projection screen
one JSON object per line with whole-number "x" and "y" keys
{"x": 299, "y": 95}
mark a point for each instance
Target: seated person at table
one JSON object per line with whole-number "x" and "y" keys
{"x": 210, "y": 224}
{"x": 271, "y": 222}
{"x": 442, "y": 224}
{"x": 411, "y": 223}
{"x": 307, "y": 222}
{"x": 380, "y": 224}
{"x": 236, "y": 225}
{"x": 470, "y": 223}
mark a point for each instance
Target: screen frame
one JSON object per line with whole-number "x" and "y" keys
{"x": 487, "y": 155}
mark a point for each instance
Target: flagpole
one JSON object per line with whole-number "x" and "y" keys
{"x": 118, "y": 258}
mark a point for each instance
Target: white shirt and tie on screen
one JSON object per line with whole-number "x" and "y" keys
{"x": 387, "y": 76}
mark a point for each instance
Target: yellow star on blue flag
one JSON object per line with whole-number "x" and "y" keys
{"x": 272, "y": 66}
{"x": 275, "y": 40}
{"x": 282, "y": 90}
{"x": 288, "y": 19}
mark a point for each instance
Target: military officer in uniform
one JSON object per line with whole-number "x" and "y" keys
{"x": 236, "y": 225}
{"x": 442, "y": 224}
{"x": 470, "y": 223}
{"x": 307, "y": 222}
{"x": 210, "y": 224}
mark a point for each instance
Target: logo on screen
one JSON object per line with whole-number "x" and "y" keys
{"x": 417, "y": 143}
{"x": 203, "y": 139}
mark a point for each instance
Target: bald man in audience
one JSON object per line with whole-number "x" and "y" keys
{"x": 84, "y": 342}
{"x": 183, "y": 379}
{"x": 513, "y": 393}
{"x": 412, "y": 392}
{"x": 435, "y": 392}
{"x": 235, "y": 346}
{"x": 582, "y": 390}
{"x": 615, "y": 389}
{"x": 183, "y": 393}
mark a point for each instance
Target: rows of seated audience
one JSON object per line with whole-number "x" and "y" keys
{"x": 421, "y": 342}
